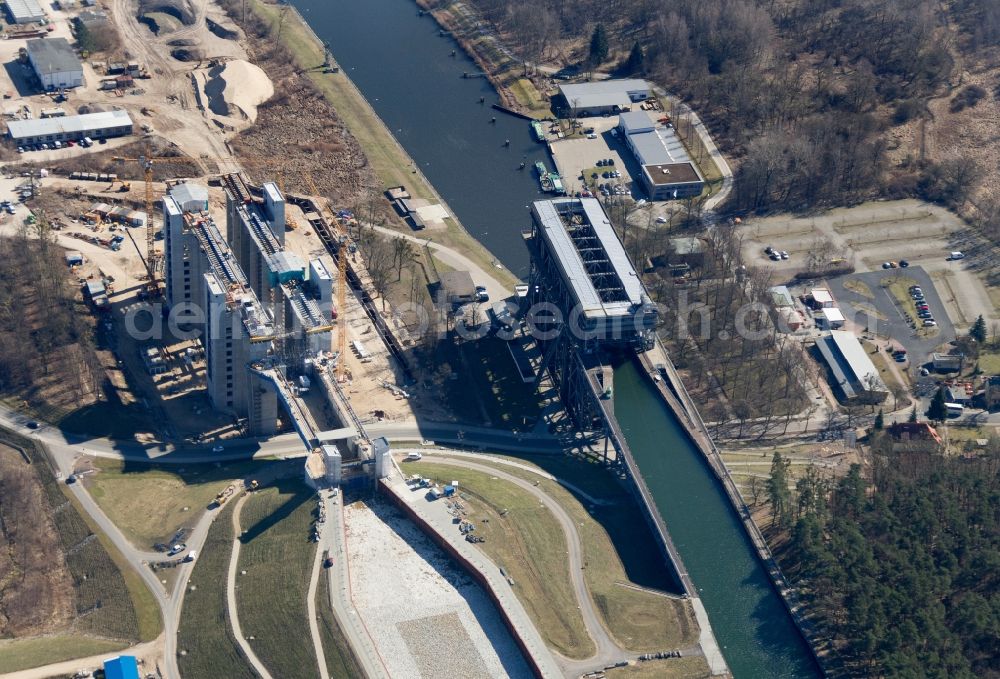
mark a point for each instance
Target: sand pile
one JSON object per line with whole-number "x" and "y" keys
{"x": 244, "y": 87}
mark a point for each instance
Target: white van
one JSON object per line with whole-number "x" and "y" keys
{"x": 191, "y": 555}
{"x": 86, "y": 142}
{"x": 956, "y": 255}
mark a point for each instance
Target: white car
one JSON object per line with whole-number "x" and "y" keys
{"x": 929, "y": 323}
{"x": 591, "y": 136}
{"x": 956, "y": 255}
{"x": 661, "y": 220}
{"x": 783, "y": 254}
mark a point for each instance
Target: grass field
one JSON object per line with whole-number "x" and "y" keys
{"x": 277, "y": 556}
{"x": 204, "y": 635}
{"x": 694, "y": 667}
{"x": 340, "y": 660}
{"x": 390, "y": 162}
{"x": 150, "y": 502}
{"x": 528, "y": 96}
{"x": 530, "y": 545}
{"x": 859, "y": 287}
{"x": 617, "y": 549}
{"x": 22, "y": 654}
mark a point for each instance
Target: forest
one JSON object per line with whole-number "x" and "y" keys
{"x": 43, "y": 336}
{"x": 801, "y": 92}
{"x": 900, "y": 566}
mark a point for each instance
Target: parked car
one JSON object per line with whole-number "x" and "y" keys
{"x": 929, "y": 323}
{"x": 903, "y": 263}
{"x": 783, "y": 254}
{"x": 661, "y": 220}
{"x": 956, "y": 255}
{"x": 775, "y": 257}
{"x": 71, "y": 479}
{"x": 176, "y": 549}
{"x": 885, "y": 265}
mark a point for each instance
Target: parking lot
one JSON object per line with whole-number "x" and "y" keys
{"x": 579, "y": 154}
{"x": 894, "y": 320}
{"x": 874, "y": 233}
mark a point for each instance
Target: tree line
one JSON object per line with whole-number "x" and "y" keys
{"x": 41, "y": 327}
{"x": 900, "y": 567}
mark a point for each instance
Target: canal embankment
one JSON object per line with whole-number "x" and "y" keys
{"x": 387, "y": 157}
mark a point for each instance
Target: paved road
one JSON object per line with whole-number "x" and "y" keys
{"x": 317, "y": 572}
{"x": 334, "y": 539}
{"x": 456, "y": 260}
{"x": 607, "y": 650}
{"x": 231, "y": 606}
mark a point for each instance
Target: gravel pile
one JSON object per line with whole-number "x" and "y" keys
{"x": 422, "y": 611}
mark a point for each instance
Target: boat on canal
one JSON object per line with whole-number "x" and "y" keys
{"x": 537, "y": 131}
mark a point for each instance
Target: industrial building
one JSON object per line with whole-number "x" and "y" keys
{"x": 667, "y": 170}
{"x": 55, "y": 63}
{"x": 850, "y": 367}
{"x": 25, "y": 11}
{"x": 599, "y": 98}
{"x": 106, "y": 124}
{"x": 261, "y": 307}
{"x": 588, "y": 273}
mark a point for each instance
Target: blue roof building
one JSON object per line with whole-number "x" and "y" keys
{"x": 122, "y": 667}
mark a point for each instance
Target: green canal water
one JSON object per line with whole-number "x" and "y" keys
{"x": 405, "y": 68}
{"x": 757, "y": 636}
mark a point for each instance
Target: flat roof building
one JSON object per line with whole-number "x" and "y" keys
{"x": 457, "y": 287}
{"x": 830, "y": 318}
{"x": 55, "y": 63}
{"x": 601, "y": 294}
{"x": 850, "y": 367}
{"x": 605, "y": 96}
{"x": 25, "y": 11}
{"x": 106, "y": 124}
{"x": 667, "y": 170}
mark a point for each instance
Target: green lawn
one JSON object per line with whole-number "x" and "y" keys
{"x": 22, "y": 654}
{"x": 617, "y": 549}
{"x": 693, "y": 667}
{"x": 340, "y": 660}
{"x": 529, "y": 544}
{"x": 150, "y": 502}
{"x": 989, "y": 362}
{"x": 204, "y": 636}
{"x": 277, "y": 556}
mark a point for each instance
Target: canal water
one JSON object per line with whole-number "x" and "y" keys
{"x": 405, "y": 69}
{"x": 751, "y": 624}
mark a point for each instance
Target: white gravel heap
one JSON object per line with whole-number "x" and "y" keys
{"x": 426, "y": 617}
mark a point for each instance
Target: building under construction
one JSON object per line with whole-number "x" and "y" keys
{"x": 257, "y": 304}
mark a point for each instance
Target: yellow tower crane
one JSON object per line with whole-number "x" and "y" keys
{"x": 341, "y": 284}
{"x": 153, "y": 286}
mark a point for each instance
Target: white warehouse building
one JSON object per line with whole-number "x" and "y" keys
{"x": 94, "y": 125}
{"x": 667, "y": 170}
{"x": 55, "y": 63}
{"x": 25, "y": 11}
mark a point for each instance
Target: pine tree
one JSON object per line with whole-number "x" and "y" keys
{"x": 636, "y": 59}
{"x": 978, "y": 330}
{"x": 879, "y": 420}
{"x": 938, "y": 410}
{"x": 913, "y": 414}
{"x": 598, "y": 46}
{"x": 777, "y": 489}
